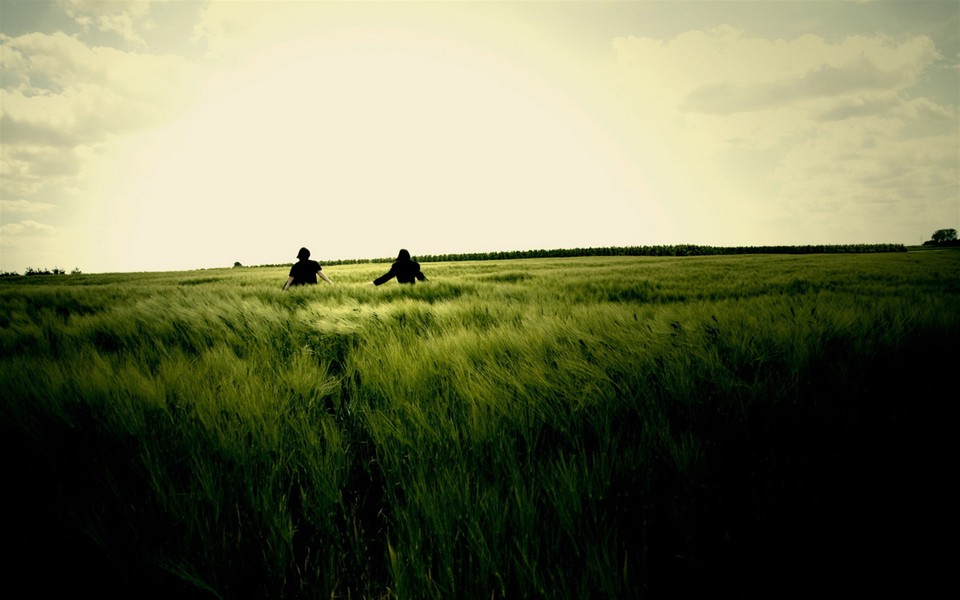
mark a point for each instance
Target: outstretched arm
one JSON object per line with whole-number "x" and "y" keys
{"x": 324, "y": 277}
{"x": 288, "y": 283}
{"x": 385, "y": 277}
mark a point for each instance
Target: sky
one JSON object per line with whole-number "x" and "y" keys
{"x": 178, "y": 135}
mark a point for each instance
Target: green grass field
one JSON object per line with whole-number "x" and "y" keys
{"x": 622, "y": 427}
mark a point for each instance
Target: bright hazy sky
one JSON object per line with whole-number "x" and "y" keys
{"x": 176, "y": 135}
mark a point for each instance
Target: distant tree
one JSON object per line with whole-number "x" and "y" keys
{"x": 237, "y": 264}
{"x": 944, "y": 235}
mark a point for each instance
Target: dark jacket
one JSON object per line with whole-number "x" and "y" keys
{"x": 406, "y": 271}
{"x": 304, "y": 271}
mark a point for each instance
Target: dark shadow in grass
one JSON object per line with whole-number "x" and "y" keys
{"x": 200, "y": 281}
{"x": 511, "y": 277}
{"x": 431, "y": 292}
{"x": 333, "y": 350}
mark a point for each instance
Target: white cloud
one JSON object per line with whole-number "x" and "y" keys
{"x": 921, "y": 108}
{"x": 24, "y": 206}
{"x": 123, "y": 17}
{"x": 723, "y": 72}
{"x": 843, "y": 122}
{"x": 68, "y": 93}
{"x": 24, "y": 228}
{"x": 229, "y": 28}
{"x": 61, "y": 98}
{"x": 26, "y": 169}
{"x": 30, "y": 242}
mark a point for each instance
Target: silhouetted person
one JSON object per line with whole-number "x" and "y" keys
{"x": 305, "y": 271}
{"x": 405, "y": 269}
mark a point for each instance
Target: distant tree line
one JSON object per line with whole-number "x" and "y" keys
{"x": 666, "y": 250}
{"x": 943, "y": 237}
{"x": 35, "y": 271}
{"x": 344, "y": 261}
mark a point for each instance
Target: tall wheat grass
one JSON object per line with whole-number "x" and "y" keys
{"x": 581, "y": 427}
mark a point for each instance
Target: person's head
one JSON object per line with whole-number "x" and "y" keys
{"x": 304, "y": 254}
{"x": 404, "y": 255}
